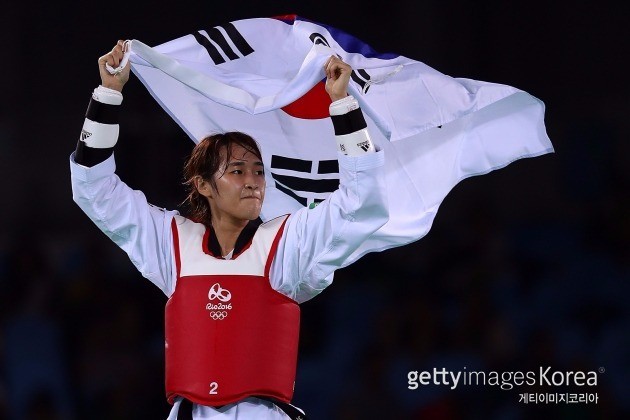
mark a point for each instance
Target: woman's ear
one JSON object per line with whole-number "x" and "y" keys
{"x": 203, "y": 187}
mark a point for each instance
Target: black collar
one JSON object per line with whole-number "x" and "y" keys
{"x": 244, "y": 238}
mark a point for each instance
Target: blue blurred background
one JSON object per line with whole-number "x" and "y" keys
{"x": 524, "y": 267}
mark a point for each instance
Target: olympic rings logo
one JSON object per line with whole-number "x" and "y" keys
{"x": 216, "y": 292}
{"x": 218, "y": 315}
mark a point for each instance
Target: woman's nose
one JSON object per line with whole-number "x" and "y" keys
{"x": 251, "y": 182}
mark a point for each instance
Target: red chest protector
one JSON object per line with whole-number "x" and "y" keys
{"x": 229, "y": 335}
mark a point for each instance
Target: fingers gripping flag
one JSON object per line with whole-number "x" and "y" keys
{"x": 265, "y": 77}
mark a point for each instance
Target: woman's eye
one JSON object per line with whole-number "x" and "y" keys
{"x": 238, "y": 172}
{"x": 260, "y": 172}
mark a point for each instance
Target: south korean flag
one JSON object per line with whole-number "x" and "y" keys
{"x": 264, "y": 76}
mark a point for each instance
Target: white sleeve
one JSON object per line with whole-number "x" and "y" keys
{"x": 142, "y": 230}
{"x": 317, "y": 241}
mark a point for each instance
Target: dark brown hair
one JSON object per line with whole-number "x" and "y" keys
{"x": 205, "y": 161}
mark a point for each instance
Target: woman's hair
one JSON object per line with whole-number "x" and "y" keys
{"x": 205, "y": 161}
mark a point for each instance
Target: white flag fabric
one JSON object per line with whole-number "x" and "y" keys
{"x": 264, "y": 76}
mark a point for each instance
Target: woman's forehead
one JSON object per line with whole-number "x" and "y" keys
{"x": 238, "y": 152}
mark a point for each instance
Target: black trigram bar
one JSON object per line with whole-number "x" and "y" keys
{"x": 290, "y": 193}
{"x": 217, "y": 36}
{"x": 328, "y": 167}
{"x": 305, "y": 184}
{"x": 300, "y": 165}
{"x": 292, "y": 164}
{"x": 238, "y": 39}
{"x": 361, "y": 77}
{"x": 317, "y": 38}
{"x": 212, "y": 50}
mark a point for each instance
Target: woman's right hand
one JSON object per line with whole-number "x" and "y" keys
{"x": 337, "y": 77}
{"x": 113, "y": 58}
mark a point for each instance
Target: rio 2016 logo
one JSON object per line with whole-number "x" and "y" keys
{"x": 219, "y": 311}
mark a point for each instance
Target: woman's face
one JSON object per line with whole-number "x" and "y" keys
{"x": 240, "y": 187}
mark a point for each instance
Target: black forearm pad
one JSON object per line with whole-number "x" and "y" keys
{"x": 102, "y": 113}
{"x": 89, "y": 156}
{"x": 349, "y": 122}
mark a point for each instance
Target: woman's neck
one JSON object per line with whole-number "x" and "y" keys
{"x": 227, "y": 232}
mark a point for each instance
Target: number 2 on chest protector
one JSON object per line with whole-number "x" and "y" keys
{"x": 213, "y": 388}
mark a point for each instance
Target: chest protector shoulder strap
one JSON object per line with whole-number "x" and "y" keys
{"x": 229, "y": 335}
